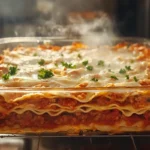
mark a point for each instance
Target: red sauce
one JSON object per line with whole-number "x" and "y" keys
{"x": 29, "y": 119}
{"x": 68, "y": 102}
{"x": 110, "y": 117}
{"x": 43, "y": 103}
{"x": 133, "y": 119}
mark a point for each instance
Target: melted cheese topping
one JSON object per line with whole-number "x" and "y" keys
{"x": 116, "y": 67}
{"x": 75, "y": 66}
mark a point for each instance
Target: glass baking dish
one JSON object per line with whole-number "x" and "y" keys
{"x": 44, "y": 92}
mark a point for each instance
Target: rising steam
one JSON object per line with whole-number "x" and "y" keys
{"x": 99, "y": 30}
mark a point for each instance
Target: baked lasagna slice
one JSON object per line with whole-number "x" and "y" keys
{"x": 73, "y": 88}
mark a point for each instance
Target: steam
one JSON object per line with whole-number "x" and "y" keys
{"x": 100, "y": 30}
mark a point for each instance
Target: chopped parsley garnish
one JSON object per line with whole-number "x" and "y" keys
{"x": 62, "y": 54}
{"x": 94, "y": 79}
{"x": 41, "y": 62}
{"x": 12, "y": 70}
{"x": 79, "y": 56}
{"x": 5, "y": 77}
{"x": 122, "y": 71}
{"x": 90, "y": 68}
{"x": 35, "y": 54}
{"x": 135, "y": 79}
{"x": 85, "y": 62}
{"x": 128, "y": 68}
{"x": 127, "y": 77}
{"x": 44, "y": 74}
{"x": 68, "y": 65}
{"x": 114, "y": 77}
{"x": 100, "y": 63}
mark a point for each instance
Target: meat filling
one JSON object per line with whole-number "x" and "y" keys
{"x": 110, "y": 117}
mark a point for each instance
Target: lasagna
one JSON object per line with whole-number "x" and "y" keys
{"x": 73, "y": 88}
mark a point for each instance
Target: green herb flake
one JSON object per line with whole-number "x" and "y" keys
{"x": 62, "y": 54}
{"x": 56, "y": 64}
{"x": 128, "y": 68}
{"x": 12, "y": 70}
{"x": 41, "y": 62}
{"x": 122, "y": 71}
{"x": 127, "y": 77}
{"x": 35, "y": 54}
{"x": 90, "y": 68}
{"x": 135, "y": 79}
{"x": 114, "y": 77}
{"x": 44, "y": 74}
{"x": 68, "y": 65}
{"x": 5, "y": 76}
{"x": 79, "y": 56}
{"x": 85, "y": 62}
{"x": 100, "y": 63}
{"x": 94, "y": 79}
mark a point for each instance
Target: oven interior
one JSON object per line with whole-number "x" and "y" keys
{"x": 103, "y": 142}
{"x": 52, "y": 17}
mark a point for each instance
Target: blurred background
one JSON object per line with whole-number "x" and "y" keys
{"x": 74, "y": 17}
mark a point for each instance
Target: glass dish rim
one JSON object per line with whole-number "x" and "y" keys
{"x": 8, "y": 40}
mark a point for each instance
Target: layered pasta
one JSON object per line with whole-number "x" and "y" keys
{"x": 74, "y": 88}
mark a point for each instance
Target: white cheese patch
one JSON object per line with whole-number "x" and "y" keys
{"x": 100, "y": 75}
